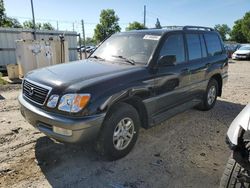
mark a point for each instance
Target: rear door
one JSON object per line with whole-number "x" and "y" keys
{"x": 198, "y": 63}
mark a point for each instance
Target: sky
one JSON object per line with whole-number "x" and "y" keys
{"x": 69, "y": 13}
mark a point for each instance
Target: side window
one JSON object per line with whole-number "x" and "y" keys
{"x": 194, "y": 46}
{"x": 213, "y": 44}
{"x": 174, "y": 46}
{"x": 203, "y": 46}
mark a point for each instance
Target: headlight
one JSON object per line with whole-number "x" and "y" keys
{"x": 73, "y": 102}
{"x": 52, "y": 102}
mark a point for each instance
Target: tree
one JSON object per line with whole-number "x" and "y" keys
{"x": 158, "y": 24}
{"x": 29, "y": 25}
{"x": 89, "y": 41}
{"x": 237, "y": 34}
{"x": 223, "y": 29}
{"x": 241, "y": 29}
{"x": 135, "y": 26}
{"x": 47, "y": 26}
{"x": 108, "y": 25}
{"x": 2, "y": 12}
{"x": 39, "y": 26}
{"x": 12, "y": 22}
{"x": 7, "y": 21}
{"x": 245, "y": 26}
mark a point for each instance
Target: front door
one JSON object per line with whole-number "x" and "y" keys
{"x": 171, "y": 82}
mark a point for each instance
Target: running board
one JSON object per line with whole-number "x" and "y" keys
{"x": 173, "y": 111}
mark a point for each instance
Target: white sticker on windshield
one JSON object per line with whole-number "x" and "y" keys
{"x": 151, "y": 37}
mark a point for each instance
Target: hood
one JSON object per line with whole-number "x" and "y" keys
{"x": 242, "y": 52}
{"x": 70, "y": 73}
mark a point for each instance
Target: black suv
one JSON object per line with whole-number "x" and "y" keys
{"x": 133, "y": 79}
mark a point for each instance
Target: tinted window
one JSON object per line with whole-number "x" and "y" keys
{"x": 203, "y": 46}
{"x": 213, "y": 44}
{"x": 194, "y": 46}
{"x": 174, "y": 46}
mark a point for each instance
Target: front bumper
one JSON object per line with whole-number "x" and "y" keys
{"x": 83, "y": 128}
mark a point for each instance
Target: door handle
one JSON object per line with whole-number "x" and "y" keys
{"x": 208, "y": 64}
{"x": 185, "y": 70}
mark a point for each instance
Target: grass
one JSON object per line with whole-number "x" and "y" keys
{"x": 2, "y": 82}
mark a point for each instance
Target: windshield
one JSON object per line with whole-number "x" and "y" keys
{"x": 133, "y": 47}
{"x": 244, "y": 48}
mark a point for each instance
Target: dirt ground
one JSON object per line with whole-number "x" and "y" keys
{"x": 188, "y": 150}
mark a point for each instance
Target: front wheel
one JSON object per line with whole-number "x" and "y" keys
{"x": 231, "y": 176}
{"x": 119, "y": 132}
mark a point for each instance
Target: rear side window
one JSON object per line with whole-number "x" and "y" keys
{"x": 194, "y": 46}
{"x": 213, "y": 44}
{"x": 174, "y": 46}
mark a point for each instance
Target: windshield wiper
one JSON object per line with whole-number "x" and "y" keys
{"x": 131, "y": 61}
{"x": 97, "y": 57}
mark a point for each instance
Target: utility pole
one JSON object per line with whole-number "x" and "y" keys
{"x": 84, "y": 41}
{"x": 33, "y": 16}
{"x": 73, "y": 26}
{"x": 144, "y": 23}
{"x": 57, "y": 26}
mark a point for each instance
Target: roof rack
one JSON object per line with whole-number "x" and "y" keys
{"x": 172, "y": 27}
{"x": 187, "y": 27}
{"x": 197, "y": 28}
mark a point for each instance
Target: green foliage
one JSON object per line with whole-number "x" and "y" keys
{"x": 237, "y": 34}
{"x": 39, "y": 26}
{"x": 2, "y": 10}
{"x": 2, "y": 82}
{"x": 241, "y": 29}
{"x": 108, "y": 25}
{"x": 158, "y": 24}
{"x": 12, "y": 22}
{"x": 135, "y": 26}
{"x": 245, "y": 26}
{"x": 223, "y": 29}
{"x": 47, "y": 26}
{"x": 7, "y": 21}
{"x": 89, "y": 42}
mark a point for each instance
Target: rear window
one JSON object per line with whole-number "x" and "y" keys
{"x": 194, "y": 46}
{"x": 213, "y": 44}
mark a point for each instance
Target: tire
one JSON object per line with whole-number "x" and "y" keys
{"x": 110, "y": 146}
{"x": 205, "y": 103}
{"x": 229, "y": 177}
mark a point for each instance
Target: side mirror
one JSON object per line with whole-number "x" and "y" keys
{"x": 168, "y": 60}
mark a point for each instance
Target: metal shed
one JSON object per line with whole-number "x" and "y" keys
{"x": 8, "y": 36}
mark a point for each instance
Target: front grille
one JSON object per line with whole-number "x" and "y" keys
{"x": 35, "y": 92}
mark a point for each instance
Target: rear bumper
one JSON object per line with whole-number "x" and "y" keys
{"x": 83, "y": 128}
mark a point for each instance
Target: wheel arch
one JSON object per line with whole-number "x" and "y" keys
{"x": 218, "y": 78}
{"x": 136, "y": 102}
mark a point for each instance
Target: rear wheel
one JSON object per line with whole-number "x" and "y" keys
{"x": 210, "y": 96}
{"x": 119, "y": 132}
